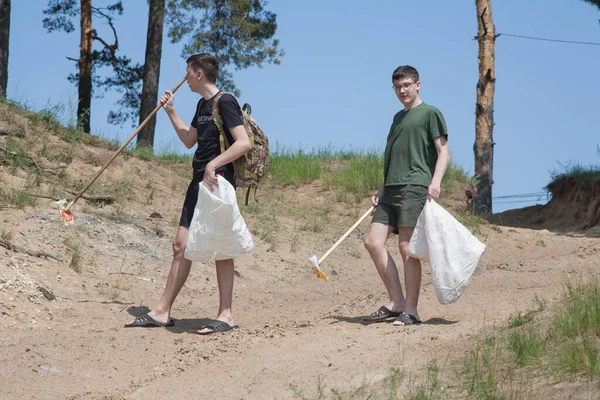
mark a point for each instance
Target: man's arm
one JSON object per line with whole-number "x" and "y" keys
{"x": 375, "y": 198}
{"x": 241, "y": 145}
{"x": 187, "y": 134}
{"x": 441, "y": 146}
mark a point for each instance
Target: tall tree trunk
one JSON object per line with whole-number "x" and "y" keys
{"x": 156, "y": 19}
{"x": 4, "y": 40}
{"x": 84, "y": 103}
{"x": 484, "y": 110}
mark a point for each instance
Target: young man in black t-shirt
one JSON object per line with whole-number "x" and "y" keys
{"x": 202, "y": 70}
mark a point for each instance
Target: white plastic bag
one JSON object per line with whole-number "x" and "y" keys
{"x": 218, "y": 230}
{"x": 450, "y": 249}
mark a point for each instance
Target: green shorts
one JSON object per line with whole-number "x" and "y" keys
{"x": 400, "y": 205}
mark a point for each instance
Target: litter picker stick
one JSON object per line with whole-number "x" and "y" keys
{"x": 121, "y": 148}
{"x": 345, "y": 235}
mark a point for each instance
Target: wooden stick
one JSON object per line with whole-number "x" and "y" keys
{"x": 345, "y": 235}
{"x": 139, "y": 128}
{"x": 106, "y": 198}
{"x": 11, "y": 246}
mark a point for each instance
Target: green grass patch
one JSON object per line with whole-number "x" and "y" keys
{"x": 360, "y": 174}
{"x": 346, "y": 169}
{"x": 142, "y": 152}
{"x": 514, "y": 321}
{"x": 569, "y": 347}
{"x": 526, "y": 346}
{"x": 389, "y": 388}
{"x": 17, "y": 198}
{"x": 479, "y": 372}
{"x": 453, "y": 175}
{"x": 147, "y": 153}
{"x": 311, "y": 219}
{"x": 354, "y": 174}
{"x": 287, "y": 166}
{"x": 472, "y": 221}
{"x": 15, "y": 157}
{"x": 267, "y": 226}
{"x": 120, "y": 189}
{"x": 76, "y": 257}
{"x": 576, "y": 331}
{"x": 511, "y": 364}
{"x": 167, "y": 153}
{"x": 430, "y": 389}
{"x": 582, "y": 313}
{"x": 573, "y": 175}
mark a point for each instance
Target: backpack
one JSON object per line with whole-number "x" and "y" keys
{"x": 252, "y": 166}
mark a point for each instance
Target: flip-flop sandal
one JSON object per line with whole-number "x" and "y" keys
{"x": 216, "y": 326}
{"x": 382, "y": 314}
{"x": 146, "y": 321}
{"x": 406, "y": 319}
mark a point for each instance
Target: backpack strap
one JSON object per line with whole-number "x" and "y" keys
{"x": 224, "y": 143}
{"x": 219, "y": 122}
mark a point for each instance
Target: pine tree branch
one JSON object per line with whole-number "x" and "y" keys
{"x": 114, "y": 47}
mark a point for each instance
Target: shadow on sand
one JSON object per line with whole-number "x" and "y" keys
{"x": 363, "y": 321}
{"x": 186, "y": 325}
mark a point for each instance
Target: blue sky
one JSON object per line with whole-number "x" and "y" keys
{"x": 333, "y": 86}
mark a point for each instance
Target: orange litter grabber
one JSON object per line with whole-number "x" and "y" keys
{"x": 66, "y": 215}
{"x": 313, "y": 259}
{"x": 64, "y": 207}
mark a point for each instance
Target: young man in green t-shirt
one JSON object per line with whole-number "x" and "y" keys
{"x": 415, "y": 160}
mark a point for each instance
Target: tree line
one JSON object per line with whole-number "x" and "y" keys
{"x": 239, "y": 33}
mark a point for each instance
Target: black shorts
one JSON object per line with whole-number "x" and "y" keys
{"x": 191, "y": 198}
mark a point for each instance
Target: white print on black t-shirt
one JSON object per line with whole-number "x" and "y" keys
{"x": 204, "y": 119}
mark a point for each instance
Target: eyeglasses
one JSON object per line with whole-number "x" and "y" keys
{"x": 404, "y": 86}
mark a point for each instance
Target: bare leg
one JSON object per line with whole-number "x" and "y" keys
{"x": 412, "y": 273}
{"x": 375, "y": 245}
{"x": 225, "y": 277}
{"x": 180, "y": 270}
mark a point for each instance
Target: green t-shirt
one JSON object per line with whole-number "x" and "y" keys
{"x": 410, "y": 153}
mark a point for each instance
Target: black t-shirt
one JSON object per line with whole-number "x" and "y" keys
{"x": 209, "y": 145}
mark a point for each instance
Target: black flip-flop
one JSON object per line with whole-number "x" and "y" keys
{"x": 146, "y": 321}
{"x": 407, "y": 319}
{"x": 216, "y": 326}
{"x": 382, "y": 314}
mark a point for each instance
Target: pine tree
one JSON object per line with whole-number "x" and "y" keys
{"x": 156, "y": 18}
{"x": 125, "y": 78}
{"x": 238, "y": 33}
{"x": 484, "y": 109}
{"x": 4, "y": 40}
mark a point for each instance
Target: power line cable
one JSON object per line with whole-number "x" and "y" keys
{"x": 550, "y": 40}
{"x": 518, "y": 201}
{"x": 512, "y": 196}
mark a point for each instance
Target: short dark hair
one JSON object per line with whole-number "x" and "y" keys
{"x": 207, "y": 63}
{"x": 405, "y": 71}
